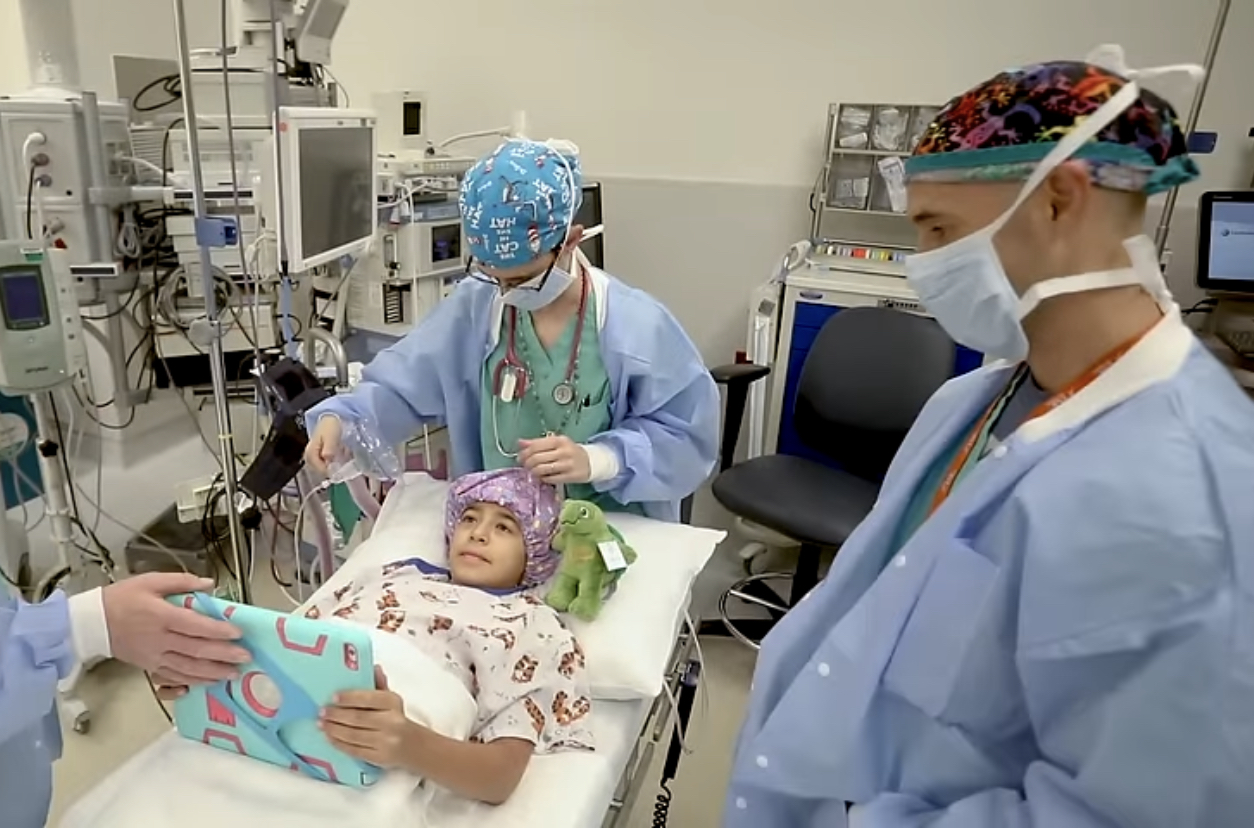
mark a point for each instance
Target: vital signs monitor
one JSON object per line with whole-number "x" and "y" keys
{"x": 1225, "y": 245}
{"x": 328, "y": 183}
{"x": 33, "y": 353}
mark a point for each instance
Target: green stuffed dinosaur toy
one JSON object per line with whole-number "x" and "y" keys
{"x": 585, "y": 580}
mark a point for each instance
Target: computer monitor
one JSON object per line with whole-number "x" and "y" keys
{"x": 1225, "y": 245}
{"x": 328, "y": 183}
{"x": 589, "y": 216}
{"x": 145, "y": 84}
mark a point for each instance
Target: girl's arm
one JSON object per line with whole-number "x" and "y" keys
{"x": 371, "y": 725}
{"x": 486, "y": 772}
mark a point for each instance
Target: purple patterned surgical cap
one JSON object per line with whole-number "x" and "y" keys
{"x": 533, "y": 503}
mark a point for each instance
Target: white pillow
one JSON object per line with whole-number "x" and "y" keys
{"x": 629, "y": 645}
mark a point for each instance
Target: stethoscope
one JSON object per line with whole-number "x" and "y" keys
{"x": 512, "y": 377}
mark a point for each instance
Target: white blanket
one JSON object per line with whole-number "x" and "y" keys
{"x": 181, "y": 783}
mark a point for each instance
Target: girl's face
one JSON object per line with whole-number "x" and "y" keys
{"x": 487, "y": 549}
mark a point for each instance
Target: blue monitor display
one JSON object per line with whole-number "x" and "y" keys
{"x": 22, "y": 299}
{"x": 1226, "y": 242}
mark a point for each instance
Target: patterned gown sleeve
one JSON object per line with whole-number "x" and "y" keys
{"x": 536, "y": 690}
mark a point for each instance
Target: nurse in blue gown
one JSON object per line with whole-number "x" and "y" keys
{"x": 40, "y": 644}
{"x": 539, "y": 359}
{"x": 1047, "y": 621}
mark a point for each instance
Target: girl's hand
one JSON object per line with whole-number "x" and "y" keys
{"x": 370, "y": 724}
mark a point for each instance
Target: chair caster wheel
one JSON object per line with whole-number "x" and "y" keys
{"x": 74, "y": 711}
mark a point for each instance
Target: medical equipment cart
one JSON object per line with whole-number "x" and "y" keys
{"x": 835, "y": 276}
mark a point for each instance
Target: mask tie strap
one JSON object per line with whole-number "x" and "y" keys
{"x": 1144, "y": 271}
{"x": 1097, "y": 280}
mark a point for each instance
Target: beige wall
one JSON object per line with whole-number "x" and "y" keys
{"x": 705, "y": 119}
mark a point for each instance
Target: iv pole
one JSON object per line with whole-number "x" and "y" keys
{"x": 1190, "y": 124}
{"x": 217, "y": 364}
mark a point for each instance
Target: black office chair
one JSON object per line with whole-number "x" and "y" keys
{"x": 864, "y": 381}
{"x": 736, "y": 377}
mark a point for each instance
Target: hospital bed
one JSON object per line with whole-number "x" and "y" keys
{"x": 632, "y": 709}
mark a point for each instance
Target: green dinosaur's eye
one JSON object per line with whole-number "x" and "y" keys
{"x": 584, "y": 513}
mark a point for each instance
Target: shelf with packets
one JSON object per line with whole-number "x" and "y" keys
{"x": 865, "y": 148}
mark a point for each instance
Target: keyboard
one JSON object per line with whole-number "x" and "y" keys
{"x": 1240, "y": 341}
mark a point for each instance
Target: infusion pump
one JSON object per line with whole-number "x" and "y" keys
{"x": 36, "y": 336}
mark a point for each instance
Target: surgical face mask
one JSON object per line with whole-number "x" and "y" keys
{"x": 539, "y": 292}
{"x": 964, "y": 285}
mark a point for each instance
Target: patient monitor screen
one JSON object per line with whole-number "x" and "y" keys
{"x": 1232, "y": 245}
{"x": 22, "y": 298}
{"x": 336, "y": 187}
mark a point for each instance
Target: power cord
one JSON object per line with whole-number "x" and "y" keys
{"x": 152, "y": 686}
{"x": 171, "y": 85}
{"x": 30, "y": 199}
{"x": 51, "y": 449}
{"x": 1207, "y": 305}
{"x": 662, "y": 807}
{"x": 681, "y": 706}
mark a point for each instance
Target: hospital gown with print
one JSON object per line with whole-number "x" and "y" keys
{"x": 525, "y": 670}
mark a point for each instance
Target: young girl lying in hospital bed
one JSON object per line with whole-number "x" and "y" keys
{"x": 482, "y": 620}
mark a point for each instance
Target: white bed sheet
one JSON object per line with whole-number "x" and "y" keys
{"x": 565, "y": 790}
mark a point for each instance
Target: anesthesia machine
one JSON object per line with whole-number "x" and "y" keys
{"x": 218, "y": 230}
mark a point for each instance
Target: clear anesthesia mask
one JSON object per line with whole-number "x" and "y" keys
{"x": 363, "y": 452}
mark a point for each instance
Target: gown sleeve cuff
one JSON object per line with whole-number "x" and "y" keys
{"x": 602, "y": 462}
{"x": 45, "y": 627}
{"x": 89, "y": 629}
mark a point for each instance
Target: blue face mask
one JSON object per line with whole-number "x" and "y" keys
{"x": 539, "y": 292}
{"x": 964, "y": 286}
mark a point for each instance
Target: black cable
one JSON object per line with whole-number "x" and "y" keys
{"x": 21, "y": 588}
{"x": 165, "y": 180}
{"x": 51, "y": 585}
{"x": 207, "y": 531}
{"x": 1207, "y": 305}
{"x": 130, "y": 419}
{"x": 300, "y": 324}
{"x": 662, "y": 807}
{"x": 121, "y": 308}
{"x": 30, "y": 200}
{"x": 212, "y": 534}
{"x": 170, "y": 84}
{"x": 152, "y": 685}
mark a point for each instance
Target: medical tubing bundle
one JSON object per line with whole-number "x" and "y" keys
{"x": 324, "y": 542}
{"x": 363, "y": 454}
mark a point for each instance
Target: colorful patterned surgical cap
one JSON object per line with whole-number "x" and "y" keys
{"x": 1002, "y": 128}
{"x": 534, "y": 504}
{"x": 520, "y": 202}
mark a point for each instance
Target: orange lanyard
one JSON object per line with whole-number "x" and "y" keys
{"x": 1074, "y": 387}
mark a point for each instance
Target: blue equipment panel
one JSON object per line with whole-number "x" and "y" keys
{"x": 17, "y": 450}
{"x": 809, "y": 318}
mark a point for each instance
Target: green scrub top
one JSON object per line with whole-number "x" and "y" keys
{"x": 537, "y": 413}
